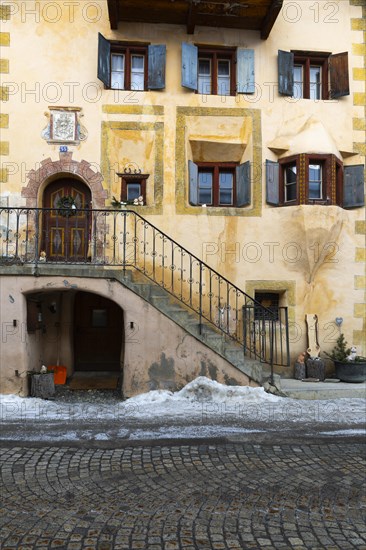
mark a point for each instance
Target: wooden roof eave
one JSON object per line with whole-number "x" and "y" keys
{"x": 193, "y": 19}
{"x": 270, "y": 18}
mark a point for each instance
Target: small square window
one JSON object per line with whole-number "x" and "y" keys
{"x": 133, "y": 187}
{"x": 270, "y": 301}
{"x": 133, "y": 191}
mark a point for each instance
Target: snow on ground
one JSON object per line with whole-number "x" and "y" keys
{"x": 201, "y": 400}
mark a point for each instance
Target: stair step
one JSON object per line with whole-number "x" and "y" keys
{"x": 208, "y": 334}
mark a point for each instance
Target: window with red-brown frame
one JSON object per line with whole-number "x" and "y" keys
{"x": 314, "y": 179}
{"x": 132, "y": 66}
{"x": 133, "y": 187}
{"x": 219, "y": 184}
{"x": 313, "y": 75}
{"x": 216, "y": 74}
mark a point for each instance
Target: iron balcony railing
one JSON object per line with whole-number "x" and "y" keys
{"x": 123, "y": 238}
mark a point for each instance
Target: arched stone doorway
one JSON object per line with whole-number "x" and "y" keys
{"x": 50, "y": 169}
{"x": 66, "y": 231}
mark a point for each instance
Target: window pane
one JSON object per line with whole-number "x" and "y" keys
{"x": 133, "y": 191}
{"x": 223, "y": 85}
{"x": 204, "y": 76}
{"x": 223, "y": 77}
{"x": 118, "y": 72}
{"x": 204, "y": 67}
{"x": 205, "y": 187}
{"x": 298, "y": 81}
{"x": 223, "y": 67}
{"x": 137, "y": 72}
{"x": 290, "y": 183}
{"x": 137, "y": 63}
{"x": 315, "y": 181}
{"x": 315, "y": 82}
{"x": 226, "y": 180}
{"x": 118, "y": 62}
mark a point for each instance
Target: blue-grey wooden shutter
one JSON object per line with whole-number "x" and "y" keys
{"x": 245, "y": 83}
{"x": 193, "y": 182}
{"x": 285, "y": 73}
{"x": 338, "y": 75}
{"x": 156, "y": 67}
{"x": 243, "y": 184}
{"x": 272, "y": 183}
{"x": 104, "y": 60}
{"x": 189, "y": 66}
{"x": 353, "y": 186}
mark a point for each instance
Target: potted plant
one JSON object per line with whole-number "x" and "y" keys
{"x": 349, "y": 367}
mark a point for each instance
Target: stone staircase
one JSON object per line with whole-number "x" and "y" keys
{"x": 188, "y": 320}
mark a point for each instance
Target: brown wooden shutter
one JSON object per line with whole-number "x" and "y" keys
{"x": 338, "y": 75}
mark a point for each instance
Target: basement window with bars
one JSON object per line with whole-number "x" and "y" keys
{"x": 270, "y": 301}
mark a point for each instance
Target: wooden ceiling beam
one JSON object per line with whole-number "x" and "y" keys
{"x": 191, "y": 23}
{"x": 270, "y": 18}
{"x": 113, "y": 13}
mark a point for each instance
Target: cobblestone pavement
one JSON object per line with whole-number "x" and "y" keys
{"x": 196, "y": 495}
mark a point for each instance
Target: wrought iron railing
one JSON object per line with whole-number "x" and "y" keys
{"x": 123, "y": 238}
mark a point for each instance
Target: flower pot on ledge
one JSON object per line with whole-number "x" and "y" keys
{"x": 350, "y": 371}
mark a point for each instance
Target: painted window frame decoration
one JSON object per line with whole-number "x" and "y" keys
{"x": 338, "y": 184}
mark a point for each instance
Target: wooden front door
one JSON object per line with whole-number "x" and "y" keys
{"x": 66, "y": 230}
{"x": 98, "y": 332}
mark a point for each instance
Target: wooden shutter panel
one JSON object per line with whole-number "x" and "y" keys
{"x": 104, "y": 60}
{"x": 156, "y": 66}
{"x": 353, "y": 186}
{"x": 243, "y": 184}
{"x": 285, "y": 73}
{"x": 338, "y": 75}
{"x": 189, "y": 66}
{"x": 193, "y": 182}
{"x": 272, "y": 183}
{"x": 245, "y": 71}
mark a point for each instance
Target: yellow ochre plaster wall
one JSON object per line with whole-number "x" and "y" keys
{"x": 314, "y": 253}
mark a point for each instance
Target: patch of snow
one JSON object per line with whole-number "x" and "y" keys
{"x": 345, "y": 432}
{"x": 201, "y": 401}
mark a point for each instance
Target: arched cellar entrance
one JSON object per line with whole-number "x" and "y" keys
{"x": 81, "y": 331}
{"x": 98, "y": 330}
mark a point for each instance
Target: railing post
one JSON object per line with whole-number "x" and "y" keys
{"x": 271, "y": 351}
{"x": 124, "y": 244}
{"x": 287, "y": 339}
{"x": 200, "y": 301}
{"x": 36, "y": 242}
{"x": 17, "y": 236}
